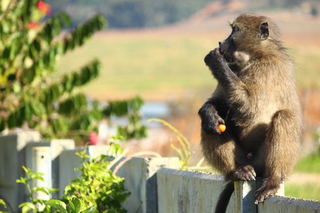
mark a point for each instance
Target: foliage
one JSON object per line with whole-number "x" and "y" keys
{"x": 129, "y": 108}
{"x": 97, "y": 186}
{"x": 97, "y": 190}
{"x": 38, "y": 205}
{"x": 28, "y": 95}
{"x": 184, "y": 152}
{"x": 30, "y": 45}
{"x": 2, "y": 203}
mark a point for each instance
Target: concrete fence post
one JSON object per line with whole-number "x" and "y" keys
{"x": 12, "y": 157}
{"x": 54, "y": 148}
{"x": 41, "y": 162}
{"x": 141, "y": 180}
{"x": 244, "y": 197}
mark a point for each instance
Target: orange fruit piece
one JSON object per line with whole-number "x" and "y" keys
{"x": 222, "y": 127}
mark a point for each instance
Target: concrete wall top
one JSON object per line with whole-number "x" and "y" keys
{"x": 189, "y": 191}
{"x": 281, "y": 204}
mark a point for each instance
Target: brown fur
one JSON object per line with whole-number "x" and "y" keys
{"x": 256, "y": 98}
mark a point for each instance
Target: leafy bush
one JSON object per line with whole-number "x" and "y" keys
{"x": 29, "y": 47}
{"x": 97, "y": 190}
{"x": 30, "y": 44}
{"x": 97, "y": 186}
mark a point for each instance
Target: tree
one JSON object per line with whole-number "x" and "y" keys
{"x": 30, "y": 43}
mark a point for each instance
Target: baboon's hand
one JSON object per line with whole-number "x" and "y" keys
{"x": 266, "y": 190}
{"x": 215, "y": 60}
{"x": 210, "y": 120}
{"x": 246, "y": 173}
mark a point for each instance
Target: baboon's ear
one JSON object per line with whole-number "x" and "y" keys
{"x": 264, "y": 30}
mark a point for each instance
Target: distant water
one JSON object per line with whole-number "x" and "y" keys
{"x": 155, "y": 110}
{"x": 148, "y": 110}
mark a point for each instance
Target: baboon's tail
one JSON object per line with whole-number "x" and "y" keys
{"x": 224, "y": 198}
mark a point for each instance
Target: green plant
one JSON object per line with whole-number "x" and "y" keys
{"x": 38, "y": 205}
{"x": 97, "y": 190}
{"x": 184, "y": 152}
{"x": 97, "y": 186}
{"x": 129, "y": 108}
{"x": 30, "y": 95}
{"x": 2, "y": 203}
{"x": 29, "y": 47}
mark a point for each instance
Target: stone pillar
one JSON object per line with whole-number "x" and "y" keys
{"x": 12, "y": 157}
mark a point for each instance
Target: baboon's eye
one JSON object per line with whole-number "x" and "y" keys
{"x": 235, "y": 29}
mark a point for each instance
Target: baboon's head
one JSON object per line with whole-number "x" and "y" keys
{"x": 251, "y": 36}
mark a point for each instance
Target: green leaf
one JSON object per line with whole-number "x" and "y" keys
{"x": 91, "y": 209}
{"x": 27, "y": 206}
{"x": 28, "y": 112}
{"x": 37, "y": 175}
{"x": 28, "y": 75}
{"x": 60, "y": 125}
{"x": 66, "y": 18}
{"x": 2, "y": 124}
{"x": 83, "y": 154}
{"x": 55, "y": 91}
{"x": 12, "y": 121}
{"x": 6, "y": 53}
{"x": 57, "y": 204}
{"x": 68, "y": 83}
{"x": 37, "y": 108}
{"x": 2, "y": 203}
{"x": 41, "y": 189}
{"x": 75, "y": 204}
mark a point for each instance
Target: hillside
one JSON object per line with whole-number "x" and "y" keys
{"x": 152, "y": 13}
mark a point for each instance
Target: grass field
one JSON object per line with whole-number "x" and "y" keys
{"x": 306, "y": 190}
{"x": 146, "y": 65}
{"x": 310, "y": 164}
{"x": 304, "y": 185}
{"x": 169, "y": 61}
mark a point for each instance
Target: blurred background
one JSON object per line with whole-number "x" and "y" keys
{"x": 155, "y": 49}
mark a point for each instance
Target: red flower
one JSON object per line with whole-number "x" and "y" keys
{"x": 94, "y": 138}
{"x": 33, "y": 25}
{"x": 43, "y": 7}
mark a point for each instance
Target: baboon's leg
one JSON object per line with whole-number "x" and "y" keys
{"x": 280, "y": 152}
{"x": 226, "y": 156}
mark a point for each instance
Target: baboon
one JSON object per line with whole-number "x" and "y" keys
{"x": 256, "y": 99}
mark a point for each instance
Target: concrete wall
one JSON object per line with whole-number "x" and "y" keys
{"x": 188, "y": 192}
{"x": 141, "y": 180}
